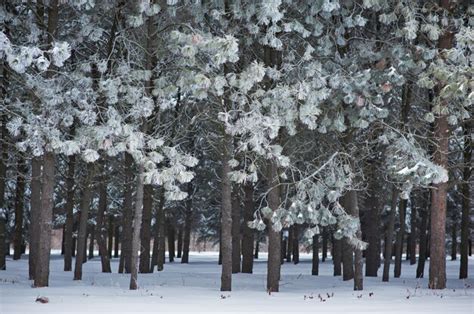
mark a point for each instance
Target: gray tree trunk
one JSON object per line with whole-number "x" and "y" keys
{"x": 248, "y": 233}
{"x": 145, "y": 232}
{"x": 137, "y": 220}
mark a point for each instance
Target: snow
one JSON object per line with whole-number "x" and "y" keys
{"x": 194, "y": 288}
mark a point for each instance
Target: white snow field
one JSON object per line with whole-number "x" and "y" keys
{"x": 194, "y": 288}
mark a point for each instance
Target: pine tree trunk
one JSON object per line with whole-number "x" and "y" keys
{"x": 3, "y": 173}
{"x": 420, "y": 269}
{"x": 171, "y": 240}
{"x": 110, "y": 235}
{"x": 145, "y": 232}
{"x": 413, "y": 235}
{"x": 158, "y": 256}
{"x": 116, "y": 240}
{"x": 101, "y": 223}
{"x": 45, "y": 222}
{"x": 337, "y": 256}
{"x": 226, "y": 214}
{"x": 296, "y": 244}
{"x": 68, "y": 208}
{"x": 466, "y": 201}
{"x": 389, "y": 235}
{"x": 137, "y": 221}
{"x": 454, "y": 242}
{"x": 400, "y": 238}
{"x": 373, "y": 234}
{"x": 325, "y": 245}
{"x": 127, "y": 217}
{"x": 289, "y": 250}
{"x": 315, "y": 259}
{"x": 188, "y": 219}
{"x": 19, "y": 209}
{"x": 86, "y": 200}
{"x": 351, "y": 205}
{"x": 274, "y": 237}
{"x": 179, "y": 246}
{"x": 236, "y": 248}
{"x": 257, "y": 246}
{"x": 91, "y": 242}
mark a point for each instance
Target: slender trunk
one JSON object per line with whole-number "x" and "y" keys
{"x": 110, "y": 235}
{"x": 158, "y": 256}
{"x": 171, "y": 240}
{"x": 465, "y": 247}
{"x": 179, "y": 246}
{"x": 257, "y": 247}
{"x": 116, "y": 241}
{"x": 325, "y": 245}
{"x": 400, "y": 238}
{"x": 372, "y": 231}
{"x": 454, "y": 242}
{"x": 101, "y": 224}
{"x": 437, "y": 278}
{"x": 389, "y": 235}
{"x": 137, "y": 221}
{"x": 413, "y": 235}
{"x": 3, "y": 173}
{"x": 274, "y": 236}
{"x": 188, "y": 219}
{"x": 69, "y": 207}
{"x": 127, "y": 216}
{"x": 236, "y": 254}
{"x": 423, "y": 243}
{"x": 315, "y": 260}
{"x": 337, "y": 256}
{"x": 347, "y": 260}
{"x": 226, "y": 214}
{"x": 145, "y": 232}
{"x": 296, "y": 244}
{"x": 91, "y": 242}
{"x": 351, "y": 205}
{"x": 82, "y": 233}
{"x": 19, "y": 209}
{"x": 289, "y": 250}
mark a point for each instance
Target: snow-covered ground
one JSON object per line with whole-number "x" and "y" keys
{"x": 194, "y": 288}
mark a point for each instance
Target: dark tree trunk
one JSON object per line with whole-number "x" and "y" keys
{"x": 420, "y": 269}
{"x": 315, "y": 260}
{"x": 274, "y": 236}
{"x": 289, "y": 250}
{"x": 389, "y": 236}
{"x": 226, "y": 214}
{"x": 91, "y": 242}
{"x": 372, "y": 231}
{"x": 3, "y": 173}
{"x": 351, "y": 205}
{"x": 400, "y": 238}
{"x": 325, "y": 245}
{"x": 413, "y": 235}
{"x": 257, "y": 246}
{"x": 68, "y": 208}
{"x": 179, "y": 247}
{"x": 19, "y": 209}
{"x": 137, "y": 221}
{"x": 284, "y": 245}
{"x": 171, "y": 240}
{"x": 82, "y": 233}
{"x": 116, "y": 241}
{"x": 45, "y": 221}
{"x": 296, "y": 244}
{"x": 465, "y": 247}
{"x": 158, "y": 256}
{"x": 347, "y": 260}
{"x": 145, "y": 232}
{"x": 337, "y": 256}
{"x": 437, "y": 278}
{"x": 110, "y": 236}
{"x": 236, "y": 232}
{"x": 127, "y": 217}
{"x": 454, "y": 242}
{"x": 188, "y": 219}
{"x": 101, "y": 224}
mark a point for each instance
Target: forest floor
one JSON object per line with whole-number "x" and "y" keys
{"x": 194, "y": 288}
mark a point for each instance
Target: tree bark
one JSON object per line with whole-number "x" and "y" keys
{"x": 420, "y": 269}
{"x": 145, "y": 232}
{"x": 389, "y": 235}
{"x": 3, "y": 173}
{"x": 315, "y": 259}
{"x": 351, "y": 205}
{"x": 400, "y": 238}
{"x": 110, "y": 235}
{"x": 296, "y": 244}
{"x": 127, "y": 217}
{"x": 372, "y": 230}
{"x": 82, "y": 233}
{"x": 91, "y": 242}
{"x": 137, "y": 221}
{"x": 325, "y": 245}
{"x": 466, "y": 201}
{"x": 101, "y": 223}
{"x": 289, "y": 250}
{"x": 68, "y": 208}
{"x": 158, "y": 256}
{"x": 413, "y": 235}
{"x": 188, "y": 219}
{"x": 116, "y": 240}
{"x": 179, "y": 246}
{"x": 171, "y": 240}
{"x": 236, "y": 247}
{"x": 274, "y": 237}
{"x": 454, "y": 242}
{"x": 337, "y": 256}
{"x": 19, "y": 209}
{"x": 226, "y": 214}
